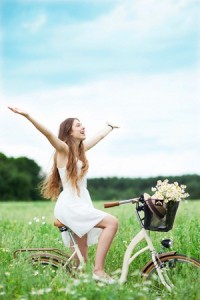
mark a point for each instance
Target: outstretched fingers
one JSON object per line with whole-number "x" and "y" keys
{"x": 17, "y": 110}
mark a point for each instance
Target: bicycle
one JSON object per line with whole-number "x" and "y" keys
{"x": 164, "y": 268}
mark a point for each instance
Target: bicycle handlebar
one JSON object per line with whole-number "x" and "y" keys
{"x": 111, "y": 204}
{"x": 117, "y": 203}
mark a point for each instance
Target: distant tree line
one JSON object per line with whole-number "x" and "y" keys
{"x": 20, "y": 178}
{"x": 126, "y": 188}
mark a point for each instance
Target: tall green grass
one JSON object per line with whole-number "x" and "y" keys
{"x": 27, "y": 225}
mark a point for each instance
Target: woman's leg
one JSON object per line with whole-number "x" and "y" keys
{"x": 82, "y": 244}
{"x": 109, "y": 225}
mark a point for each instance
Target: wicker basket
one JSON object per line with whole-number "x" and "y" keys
{"x": 154, "y": 223}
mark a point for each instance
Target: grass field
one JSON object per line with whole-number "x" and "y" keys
{"x": 29, "y": 224}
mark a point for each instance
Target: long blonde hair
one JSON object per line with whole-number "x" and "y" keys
{"x": 51, "y": 186}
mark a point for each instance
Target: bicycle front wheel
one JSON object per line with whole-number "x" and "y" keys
{"x": 178, "y": 271}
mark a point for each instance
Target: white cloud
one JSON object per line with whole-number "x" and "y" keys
{"x": 134, "y": 36}
{"x": 36, "y": 24}
{"x": 144, "y": 165}
{"x": 133, "y": 21}
{"x": 158, "y": 114}
{"x": 68, "y": 1}
{"x": 159, "y": 117}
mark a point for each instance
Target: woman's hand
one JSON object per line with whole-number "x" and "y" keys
{"x": 18, "y": 111}
{"x": 112, "y": 125}
{"x": 59, "y": 145}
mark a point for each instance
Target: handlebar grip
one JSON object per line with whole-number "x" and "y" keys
{"x": 111, "y": 204}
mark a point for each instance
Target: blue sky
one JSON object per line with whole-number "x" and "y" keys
{"x": 134, "y": 62}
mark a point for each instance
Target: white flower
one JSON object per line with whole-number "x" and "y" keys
{"x": 76, "y": 282}
{"x": 7, "y": 273}
{"x": 101, "y": 284}
{"x": 118, "y": 271}
{"x": 169, "y": 191}
{"x": 48, "y": 290}
{"x": 5, "y": 249}
{"x": 62, "y": 290}
{"x": 35, "y": 273}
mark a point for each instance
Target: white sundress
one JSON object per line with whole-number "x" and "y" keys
{"x": 77, "y": 212}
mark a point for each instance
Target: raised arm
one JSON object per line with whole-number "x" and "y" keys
{"x": 59, "y": 145}
{"x": 99, "y": 136}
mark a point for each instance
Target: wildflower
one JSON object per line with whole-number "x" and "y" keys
{"x": 147, "y": 282}
{"x": 43, "y": 217}
{"x": 36, "y": 273}
{"x": 5, "y": 249}
{"x": 30, "y": 223}
{"x": 101, "y": 284}
{"x": 48, "y": 290}
{"x": 136, "y": 273}
{"x": 169, "y": 191}
{"x": 83, "y": 275}
{"x": 62, "y": 290}
{"x": 145, "y": 289}
{"x": 118, "y": 271}
{"x": 76, "y": 282}
{"x": 41, "y": 291}
{"x": 7, "y": 273}
{"x": 73, "y": 292}
{"x": 38, "y": 292}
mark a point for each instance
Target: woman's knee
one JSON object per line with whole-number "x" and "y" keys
{"x": 108, "y": 222}
{"x": 116, "y": 223}
{"x": 113, "y": 223}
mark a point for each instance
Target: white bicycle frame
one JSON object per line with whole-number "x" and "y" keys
{"x": 128, "y": 259}
{"x": 142, "y": 235}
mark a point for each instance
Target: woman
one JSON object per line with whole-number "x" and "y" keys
{"x": 74, "y": 207}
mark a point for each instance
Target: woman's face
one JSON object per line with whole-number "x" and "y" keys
{"x": 78, "y": 130}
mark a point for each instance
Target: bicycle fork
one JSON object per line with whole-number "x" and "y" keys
{"x": 128, "y": 258}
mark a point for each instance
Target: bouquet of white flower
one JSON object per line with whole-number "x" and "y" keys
{"x": 169, "y": 191}
{"x": 160, "y": 209}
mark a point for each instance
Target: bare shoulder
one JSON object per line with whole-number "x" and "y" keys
{"x": 63, "y": 148}
{"x": 61, "y": 159}
{"x": 86, "y": 145}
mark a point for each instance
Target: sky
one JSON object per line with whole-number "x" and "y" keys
{"x": 135, "y": 63}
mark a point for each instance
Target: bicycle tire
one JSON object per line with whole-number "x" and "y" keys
{"x": 50, "y": 260}
{"x": 178, "y": 269}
